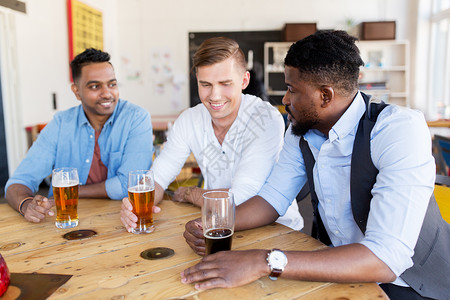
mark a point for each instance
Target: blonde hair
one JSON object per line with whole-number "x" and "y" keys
{"x": 218, "y": 49}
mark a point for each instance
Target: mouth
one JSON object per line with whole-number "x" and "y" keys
{"x": 106, "y": 103}
{"x": 217, "y": 106}
{"x": 290, "y": 118}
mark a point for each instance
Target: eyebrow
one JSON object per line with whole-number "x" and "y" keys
{"x": 222, "y": 81}
{"x": 97, "y": 82}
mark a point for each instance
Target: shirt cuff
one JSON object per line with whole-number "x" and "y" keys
{"x": 114, "y": 188}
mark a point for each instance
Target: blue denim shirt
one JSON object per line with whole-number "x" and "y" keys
{"x": 69, "y": 139}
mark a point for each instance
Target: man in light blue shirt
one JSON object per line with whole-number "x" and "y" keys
{"x": 325, "y": 108}
{"x": 104, "y": 138}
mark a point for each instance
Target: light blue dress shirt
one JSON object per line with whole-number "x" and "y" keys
{"x": 400, "y": 150}
{"x": 126, "y": 143}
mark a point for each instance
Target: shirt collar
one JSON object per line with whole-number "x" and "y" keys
{"x": 347, "y": 123}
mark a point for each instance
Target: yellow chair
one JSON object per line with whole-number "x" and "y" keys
{"x": 442, "y": 195}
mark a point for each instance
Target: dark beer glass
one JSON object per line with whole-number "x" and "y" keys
{"x": 218, "y": 214}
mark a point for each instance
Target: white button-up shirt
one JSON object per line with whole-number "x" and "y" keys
{"x": 400, "y": 150}
{"x": 243, "y": 161}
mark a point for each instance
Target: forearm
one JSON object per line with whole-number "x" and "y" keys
{"x": 159, "y": 193}
{"x": 349, "y": 263}
{"x": 16, "y": 193}
{"x": 96, "y": 190}
{"x": 255, "y": 212}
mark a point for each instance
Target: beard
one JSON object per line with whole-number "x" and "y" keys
{"x": 301, "y": 127}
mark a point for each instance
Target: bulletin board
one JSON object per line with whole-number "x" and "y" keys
{"x": 85, "y": 28}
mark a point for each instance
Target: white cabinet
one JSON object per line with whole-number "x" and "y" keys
{"x": 274, "y": 54}
{"x": 386, "y": 70}
{"x": 385, "y": 74}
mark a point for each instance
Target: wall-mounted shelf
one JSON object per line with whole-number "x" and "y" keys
{"x": 384, "y": 75}
{"x": 386, "y": 65}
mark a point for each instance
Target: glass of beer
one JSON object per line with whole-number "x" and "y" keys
{"x": 65, "y": 191}
{"x": 218, "y": 220}
{"x": 141, "y": 193}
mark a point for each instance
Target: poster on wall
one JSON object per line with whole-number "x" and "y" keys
{"x": 85, "y": 27}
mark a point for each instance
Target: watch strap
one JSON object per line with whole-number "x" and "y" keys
{"x": 274, "y": 272}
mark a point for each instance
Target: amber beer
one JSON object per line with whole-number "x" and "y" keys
{"x": 142, "y": 199}
{"x": 65, "y": 191}
{"x": 66, "y": 201}
{"x": 218, "y": 240}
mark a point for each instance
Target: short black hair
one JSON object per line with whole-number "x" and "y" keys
{"x": 328, "y": 57}
{"x": 87, "y": 57}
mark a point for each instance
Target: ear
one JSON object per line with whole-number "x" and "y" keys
{"x": 75, "y": 91}
{"x": 327, "y": 94}
{"x": 245, "y": 80}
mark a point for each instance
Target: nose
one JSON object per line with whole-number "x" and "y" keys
{"x": 215, "y": 93}
{"x": 285, "y": 99}
{"x": 105, "y": 92}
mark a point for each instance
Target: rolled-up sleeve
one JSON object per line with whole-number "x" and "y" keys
{"x": 40, "y": 158}
{"x": 401, "y": 151}
{"x": 287, "y": 177}
{"x": 176, "y": 150}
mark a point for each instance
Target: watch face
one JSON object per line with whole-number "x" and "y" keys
{"x": 277, "y": 259}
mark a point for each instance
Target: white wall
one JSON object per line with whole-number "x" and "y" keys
{"x": 43, "y": 52}
{"x": 135, "y": 31}
{"x": 148, "y": 27}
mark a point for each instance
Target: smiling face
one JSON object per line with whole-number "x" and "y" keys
{"x": 220, "y": 89}
{"x": 98, "y": 92}
{"x": 302, "y": 101}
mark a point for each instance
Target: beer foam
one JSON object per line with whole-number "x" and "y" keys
{"x": 64, "y": 183}
{"x": 141, "y": 189}
{"x": 213, "y": 237}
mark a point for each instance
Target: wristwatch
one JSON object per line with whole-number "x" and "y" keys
{"x": 276, "y": 260}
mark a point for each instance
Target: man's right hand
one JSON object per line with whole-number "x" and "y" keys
{"x": 36, "y": 210}
{"x": 127, "y": 216}
{"x": 194, "y": 236}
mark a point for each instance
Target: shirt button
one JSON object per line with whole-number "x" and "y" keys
{"x": 87, "y": 160}
{"x": 91, "y": 136}
{"x": 337, "y": 232}
{"x": 328, "y": 200}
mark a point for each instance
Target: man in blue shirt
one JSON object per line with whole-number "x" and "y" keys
{"x": 104, "y": 138}
{"x": 325, "y": 109}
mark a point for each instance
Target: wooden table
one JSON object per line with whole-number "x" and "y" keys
{"x": 109, "y": 266}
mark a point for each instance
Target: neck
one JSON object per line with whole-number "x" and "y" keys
{"x": 97, "y": 122}
{"x": 338, "y": 108}
{"x": 221, "y": 128}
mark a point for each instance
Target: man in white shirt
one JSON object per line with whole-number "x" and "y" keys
{"x": 405, "y": 243}
{"x": 235, "y": 138}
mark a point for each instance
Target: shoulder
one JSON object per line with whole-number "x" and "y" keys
{"x": 126, "y": 109}
{"x": 255, "y": 108}
{"x": 402, "y": 119}
{"x": 69, "y": 115}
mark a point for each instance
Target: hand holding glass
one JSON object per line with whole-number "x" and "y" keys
{"x": 65, "y": 191}
{"x": 218, "y": 214}
{"x": 141, "y": 193}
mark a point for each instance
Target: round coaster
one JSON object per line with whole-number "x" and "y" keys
{"x": 157, "y": 253}
{"x": 79, "y": 234}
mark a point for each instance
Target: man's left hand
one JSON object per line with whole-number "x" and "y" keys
{"x": 227, "y": 269}
{"x": 189, "y": 194}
